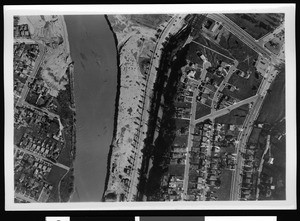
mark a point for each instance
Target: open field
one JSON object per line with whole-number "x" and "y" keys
{"x": 254, "y": 136}
{"x": 177, "y": 170}
{"x": 18, "y": 134}
{"x": 212, "y": 57}
{"x": 66, "y": 186}
{"x": 236, "y": 116}
{"x": 277, "y": 170}
{"x": 257, "y": 25}
{"x": 239, "y": 51}
{"x": 224, "y": 192}
{"x": 181, "y": 123}
{"x": 53, "y": 178}
{"x": 246, "y": 87}
{"x": 150, "y": 20}
{"x": 180, "y": 140}
{"x": 183, "y": 104}
{"x": 65, "y": 156}
{"x": 202, "y": 110}
{"x": 273, "y": 107}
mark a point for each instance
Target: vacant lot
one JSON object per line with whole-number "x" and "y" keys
{"x": 53, "y": 178}
{"x": 254, "y": 135}
{"x": 240, "y": 52}
{"x": 181, "y": 123}
{"x": 224, "y": 192}
{"x": 207, "y": 52}
{"x": 177, "y": 170}
{"x": 236, "y": 116}
{"x": 183, "y": 104}
{"x": 246, "y": 87}
{"x": 66, "y": 186}
{"x": 65, "y": 156}
{"x": 257, "y": 25}
{"x": 180, "y": 140}
{"x": 202, "y": 110}
{"x": 150, "y": 21}
{"x": 18, "y": 134}
{"x": 273, "y": 107}
{"x": 278, "y": 169}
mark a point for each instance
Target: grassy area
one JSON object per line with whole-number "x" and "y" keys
{"x": 181, "y": 123}
{"x": 224, "y": 192}
{"x": 65, "y": 156}
{"x": 181, "y": 140}
{"x": 150, "y": 20}
{"x": 236, "y": 116}
{"x": 278, "y": 170}
{"x": 257, "y": 25}
{"x": 273, "y": 107}
{"x": 177, "y": 170}
{"x": 183, "y": 104}
{"x": 254, "y": 135}
{"x": 66, "y": 186}
{"x": 53, "y": 178}
{"x": 209, "y": 54}
{"x": 202, "y": 110}
{"x": 246, "y": 87}
{"x": 31, "y": 98}
{"x": 18, "y": 134}
{"x": 230, "y": 148}
{"x": 240, "y": 52}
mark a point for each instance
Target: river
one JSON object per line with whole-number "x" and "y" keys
{"x": 93, "y": 50}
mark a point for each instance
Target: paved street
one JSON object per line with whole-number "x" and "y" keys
{"x": 42, "y": 158}
{"x": 154, "y": 63}
{"x": 244, "y": 135}
{"x": 23, "y": 197}
{"x": 256, "y": 100}
{"x": 232, "y": 69}
{"x": 189, "y": 144}
{"x": 226, "y": 110}
{"x": 241, "y": 34}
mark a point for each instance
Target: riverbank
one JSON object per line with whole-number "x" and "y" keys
{"x": 125, "y": 156}
{"x": 67, "y": 189}
{"x": 116, "y": 107}
{"x": 139, "y": 49}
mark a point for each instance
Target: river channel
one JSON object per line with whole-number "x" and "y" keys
{"x": 93, "y": 50}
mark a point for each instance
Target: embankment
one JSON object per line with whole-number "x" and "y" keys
{"x": 116, "y": 107}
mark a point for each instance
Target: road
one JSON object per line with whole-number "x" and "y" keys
{"x": 154, "y": 64}
{"x": 189, "y": 144}
{"x": 43, "y": 158}
{"x": 23, "y": 197}
{"x": 214, "y": 114}
{"x": 262, "y": 91}
{"x": 232, "y": 69}
{"x": 256, "y": 100}
{"x": 213, "y": 50}
{"x": 241, "y": 34}
{"x": 247, "y": 129}
{"x": 270, "y": 35}
{"x": 226, "y": 110}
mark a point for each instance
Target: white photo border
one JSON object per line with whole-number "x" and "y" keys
{"x": 290, "y": 53}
